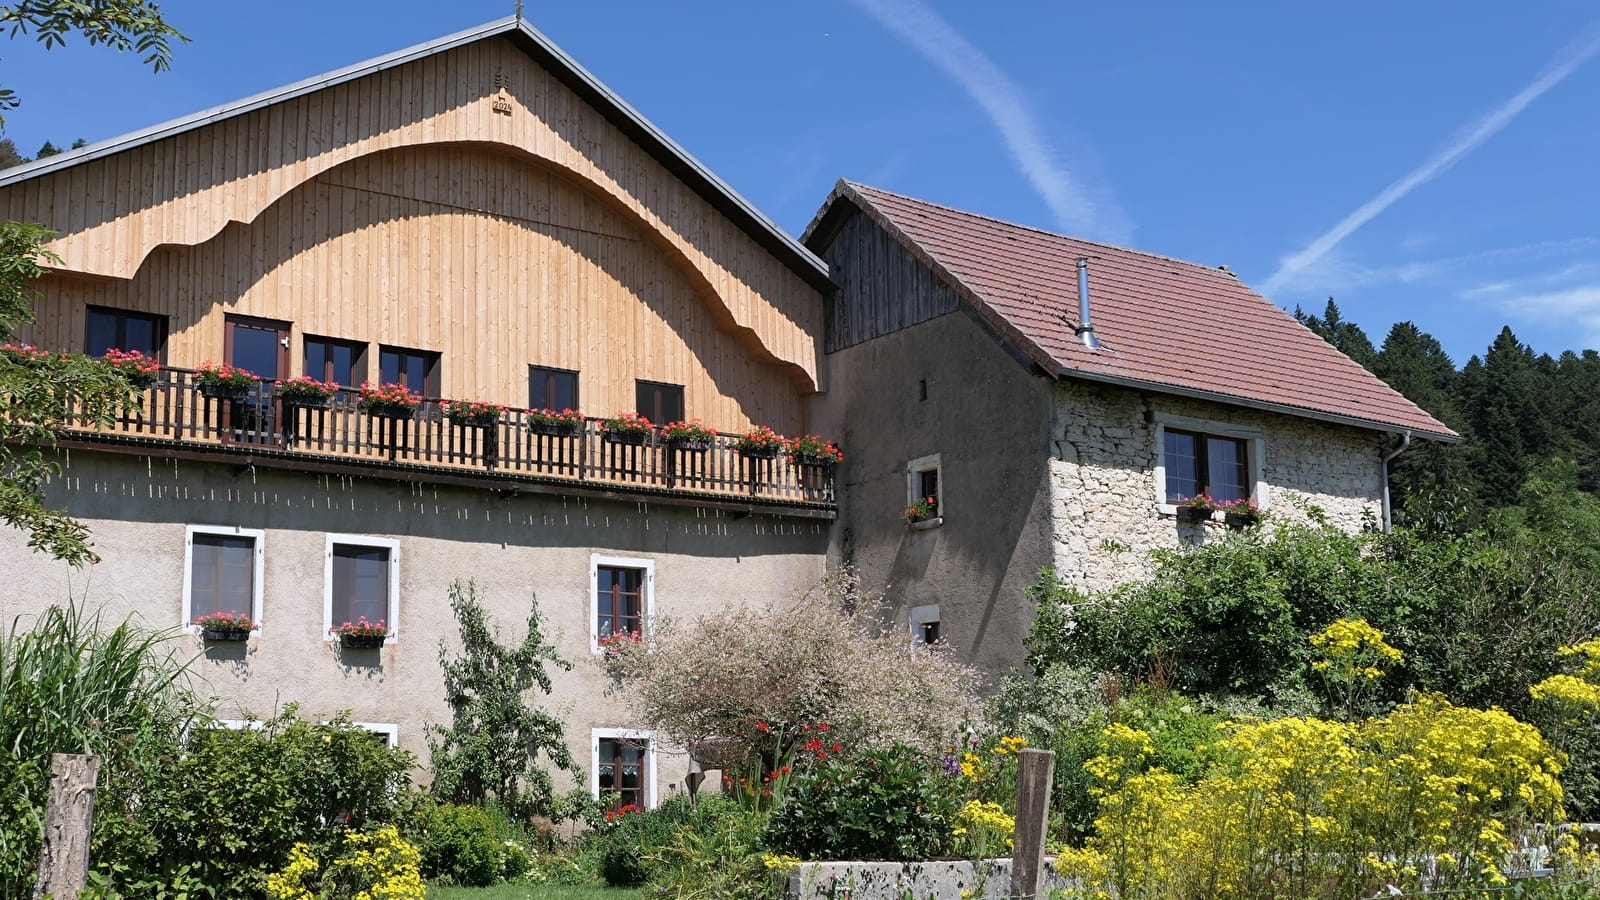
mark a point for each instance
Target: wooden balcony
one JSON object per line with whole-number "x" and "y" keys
{"x": 173, "y": 417}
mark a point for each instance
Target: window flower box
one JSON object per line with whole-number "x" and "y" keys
{"x": 760, "y": 443}
{"x": 691, "y": 436}
{"x": 306, "y": 392}
{"x": 813, "y": 452}
{"x": 473, "y": 413}
{"x": 923, "y": 510}
{"x": 225, "y": 627}
{"x": 628, "y": 428}
{"x": 138, "y": 370}
{"x": 362, "y": 634}
{"x": 389, "y": 401}
{"x": 224, "y": 382}
{"x": 1197, "y": 508}
{"x": 565, "y": 423}
{"x": 1242, "y": 513}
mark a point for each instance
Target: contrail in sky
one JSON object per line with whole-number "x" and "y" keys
{"x": 1565, "y": 63}
{"x": 1073, "y": 203}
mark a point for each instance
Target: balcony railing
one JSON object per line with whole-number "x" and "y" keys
{"x": 174, "y": 410}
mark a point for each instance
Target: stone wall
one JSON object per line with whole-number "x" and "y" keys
{"x": 986, "y": 879}
{"x": 1107, "y": 509}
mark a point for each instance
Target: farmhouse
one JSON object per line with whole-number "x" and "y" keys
{"x": 480, "y": 219}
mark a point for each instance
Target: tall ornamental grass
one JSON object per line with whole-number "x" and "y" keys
{"x": 69, "y": 686}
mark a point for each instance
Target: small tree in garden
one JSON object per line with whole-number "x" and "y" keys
{"x": 492, "y": 749}
{"x": 743, "y": 687}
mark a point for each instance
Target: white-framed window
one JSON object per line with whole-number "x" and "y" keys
{"x": 222, "y": 572}
{"x": 621, "y": 596}
{"x": 1199, "y": 455}
{"x": 360, "y": 579}
{"x": 623, "y": 761}
{"x": 924, "y": 482}
{"x": 924, "y": 621}
{"x": 388, "y": 732}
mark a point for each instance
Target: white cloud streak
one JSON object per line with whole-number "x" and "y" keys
{"x": 1078, "y": 208}
{"x": 1565, "y": 63}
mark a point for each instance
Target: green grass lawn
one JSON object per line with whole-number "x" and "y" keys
{"x": 533, "y": 892}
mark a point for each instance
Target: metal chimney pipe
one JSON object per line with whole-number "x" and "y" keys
{"x": 1085, "y": 329}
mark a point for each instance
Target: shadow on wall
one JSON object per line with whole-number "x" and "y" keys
{"x": 159, "y": 490}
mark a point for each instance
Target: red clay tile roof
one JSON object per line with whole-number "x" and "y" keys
{"x": 1166, "y": 325}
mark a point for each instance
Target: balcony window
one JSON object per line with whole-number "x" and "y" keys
{"x": 121, "y": 329}
{"x": 658, "y": 402}
{"x": 555, "y": 389}
{"x": 342, "y": 362}
{"x": 416, "y": 369}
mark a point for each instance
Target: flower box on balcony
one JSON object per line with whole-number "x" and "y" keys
{"x": 306, "y": 392}
{"x": 221, "y": 390}
{"x": 224, "y": 382}
{"x": 760, "y": 443}
{"x": 473, "y": 413}
{"x": 554, "y": 429}
{"x": 389, "y": 401}
{"x": 812, "y": 452}
{"x": 551, "y": 423}
{"x": 304, "y": 401}
{"x": 628, "y": 428}
{"x": 692, "y": 436}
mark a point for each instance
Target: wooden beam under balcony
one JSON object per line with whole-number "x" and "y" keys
{"x": 174, "y": 417}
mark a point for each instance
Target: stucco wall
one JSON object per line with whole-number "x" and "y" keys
{"x": 516, "y": 547}
{"x": 1106, "y": 509}
{"x": 989, "y": 421}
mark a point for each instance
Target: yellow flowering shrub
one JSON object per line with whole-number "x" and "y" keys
{"x": 1301, "y": 807}
{"x": 1353, "y": 656}
{"x": 983, "y": 829}
{"x": 376, "y": 865}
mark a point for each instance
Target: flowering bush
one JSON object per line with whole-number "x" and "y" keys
{"x": 26, "y": 353}
{"x": 227, "y": 621}
{"x": 1430, "y": 796}
{"x": 692, "y": 430}
{"x": 810, "y": 448}
{"x": 824, "y": 657}
{"x": 983, "y": 830}
{"x": 570, "y": 418}
{"x": 304, "y": 387}
{"x": 362, "y": 628}
{"x": 921, "y": 510}
{"x": 461, "y": 411}
{"x": 760, "y": 440}
{"x": 627, "y": 423}
{"x": 1353, "y": 652}
{"x": 888, "y": 803}
{"x": 133, "y": 365}
{"x": 377, "y": 865}
{"x": 225, "y": 375}
{"x": 385, "y": 397}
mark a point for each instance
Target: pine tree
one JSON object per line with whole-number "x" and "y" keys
{"x": 1433, "y": 485}
{"x": 8, "y": 154}
{"x": 47, "y": 149}
{"x": 1346, "y": 337}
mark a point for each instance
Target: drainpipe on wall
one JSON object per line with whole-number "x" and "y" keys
{"x": 1388, "y": 513}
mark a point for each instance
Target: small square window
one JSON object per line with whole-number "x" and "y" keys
{"x": 417, "y": 370}
{"x": 222, "y": 572}
{"x": 923, "y": 483}
{"x": 555, "y": 389}
{"x": 342, "y": 362}
{"x": 660, "y": 403}
{"x": 621, "y": 597}
{"x": 121, "y": 329}
{"x": 361, "y": 581}
{"x": 624, "y": 764}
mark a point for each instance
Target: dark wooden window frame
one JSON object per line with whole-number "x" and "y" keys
{"x": 656, "y": 410}
{"x": 609, "y": 605}
{"x": 918, "y": 474}
{"x": 431, "y": 379}
{"x": 549, "y": 373}
{"x": 358, "y": 361}
{"x": 1202, "y": 464}
{"x": 122, "y": 316}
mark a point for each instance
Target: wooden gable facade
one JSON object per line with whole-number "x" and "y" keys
{"x": 480, "y": 203}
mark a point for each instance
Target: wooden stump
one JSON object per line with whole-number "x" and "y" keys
{"x": 64, "y": 859}
{"x": 1035, "y": 769}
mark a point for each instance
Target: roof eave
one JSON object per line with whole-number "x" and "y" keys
{"x": 665, "y": 150}
{"x": 1444, "y": 437}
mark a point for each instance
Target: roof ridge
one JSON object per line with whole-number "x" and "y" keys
{"x": 858, "y": 187}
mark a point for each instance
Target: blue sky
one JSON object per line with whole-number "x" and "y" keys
{"x": 1432, "y": 161}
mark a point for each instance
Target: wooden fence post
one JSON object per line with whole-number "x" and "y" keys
{"x": 1035, "y": 769}
{"x": 64, "y": 860}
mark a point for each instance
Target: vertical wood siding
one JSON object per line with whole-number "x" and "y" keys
{"x": 882, "y": 287}
{"x": 467, "y": 245}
